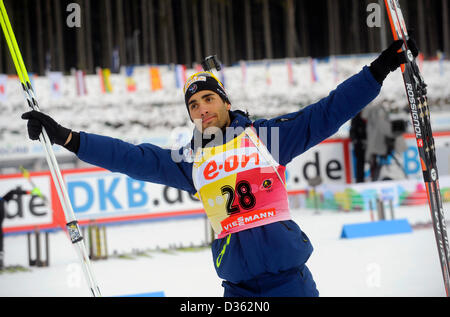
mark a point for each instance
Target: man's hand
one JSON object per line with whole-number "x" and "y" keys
{"x": 390, "y": 59}
{"x": 36, "y": 120}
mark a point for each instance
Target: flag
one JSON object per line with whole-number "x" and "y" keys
{"x": 198, "y": 67}
{"x": 107, "y": 78}
{"x": 441, "y": 57}
{"x": 268, "y": 77}
{"x": 290, "y": 72}
{"x": 80, "y": 82}
{"x": 104, "y": 77}
{"x": 100, "y": 77}
{"x": 3, "y": 79}
{"x": 155, "y": 79}
{"x": 129, "y": 80}
{"x": 55, "y": 79}
{"x": 180, "y": 75}
{"x": 244, "y": 72}
{"x": 314, "y": 77}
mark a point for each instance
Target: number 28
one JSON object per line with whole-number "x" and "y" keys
{"x": 244, "y": 193}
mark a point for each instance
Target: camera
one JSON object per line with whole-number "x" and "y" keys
{"x": 399, "y": 126}
{"x": 211, "y": 62}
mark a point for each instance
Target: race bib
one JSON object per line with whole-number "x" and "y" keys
{"x": 240, "y": 186}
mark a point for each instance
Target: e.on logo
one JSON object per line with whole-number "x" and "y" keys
{"x": 232, "y": 163}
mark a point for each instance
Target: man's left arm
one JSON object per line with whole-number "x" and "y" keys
{"x": 297, "y": 132}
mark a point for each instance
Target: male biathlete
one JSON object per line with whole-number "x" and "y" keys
{"x": 240, "y": 179}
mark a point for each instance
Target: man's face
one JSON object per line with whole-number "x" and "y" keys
{"x": 208, "y": 110}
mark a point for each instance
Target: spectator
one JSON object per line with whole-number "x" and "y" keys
{"x": 382, "y": 140}
{"x": 3, "y": 200}
{"x": 358, "y": 135}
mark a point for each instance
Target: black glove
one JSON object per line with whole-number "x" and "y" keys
{"x": 36, "y": 120}
{"x": 390, "y": 59}
{"x": 57, "y": 133}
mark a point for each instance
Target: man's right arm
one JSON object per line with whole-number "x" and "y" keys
{"x": 146, "y": 162}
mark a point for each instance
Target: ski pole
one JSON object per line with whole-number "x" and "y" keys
{"x": 72, "y": 224}
{"x": 420, "y": 114}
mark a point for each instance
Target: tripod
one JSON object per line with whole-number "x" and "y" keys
{"x": 376, "y": 164}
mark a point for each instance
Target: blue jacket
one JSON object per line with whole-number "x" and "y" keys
{"x": 268, "y": 249}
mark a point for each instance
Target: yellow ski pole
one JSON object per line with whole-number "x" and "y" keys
{"x": 72, "y": 224}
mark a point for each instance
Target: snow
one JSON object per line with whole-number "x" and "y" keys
{"x": 404, "y": 265}
{"x": 136, "y": 114}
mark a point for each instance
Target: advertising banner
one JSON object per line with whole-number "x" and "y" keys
{"x": 330, "y": 160}
{"x": 107, "y": 196}
{"x": 97, "y": 194}
{"x": 28, "y": 211}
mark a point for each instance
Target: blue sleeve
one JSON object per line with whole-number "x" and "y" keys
{"x": 146, "y": 162}
{"x": 292, "y": 134}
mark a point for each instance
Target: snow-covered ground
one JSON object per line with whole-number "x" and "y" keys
{"x": 383, "y": 266}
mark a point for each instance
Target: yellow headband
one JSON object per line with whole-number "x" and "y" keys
{"x": 198, "y": 76}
